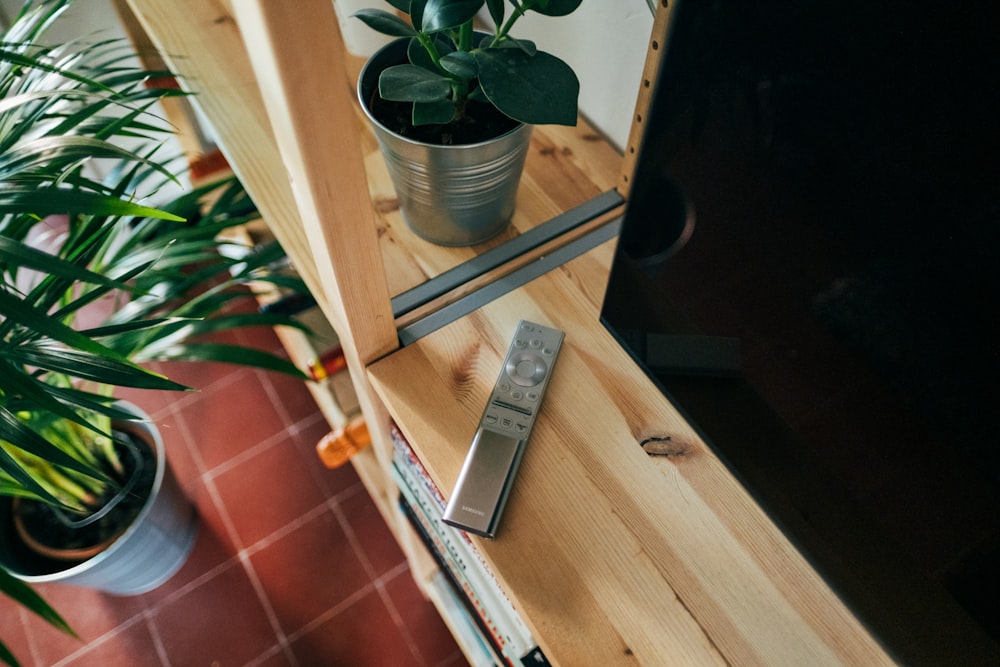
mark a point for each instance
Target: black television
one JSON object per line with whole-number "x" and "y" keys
{"x": 809, "y": 268}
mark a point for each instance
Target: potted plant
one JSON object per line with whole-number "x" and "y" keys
{"x": 452, "y": 110}
{"x": 93, "y": 283}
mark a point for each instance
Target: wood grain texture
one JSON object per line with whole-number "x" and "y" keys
{"x": 614, "y": 556}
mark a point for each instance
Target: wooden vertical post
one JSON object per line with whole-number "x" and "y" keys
{"x": 650, "y": 73}
{"x": 298, "y": 57}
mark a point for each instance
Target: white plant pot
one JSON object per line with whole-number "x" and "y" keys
{"x": 146, "y": 555}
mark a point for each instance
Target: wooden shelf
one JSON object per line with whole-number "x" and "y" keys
{"x": 610, "y": 555}
{"x": 613, "y": 556}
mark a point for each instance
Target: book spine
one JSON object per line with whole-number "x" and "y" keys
{"x": 462, "y": 559}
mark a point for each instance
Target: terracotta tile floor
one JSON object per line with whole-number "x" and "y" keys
{"x": 293, "y": 564}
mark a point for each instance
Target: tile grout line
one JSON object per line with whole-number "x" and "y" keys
{"x": 107, "y": 636}
{"x": 265, "y": 601}
{"x": 379, "y": 581}
{"x": 272, "y": 395}
{"x": 397, "y": 618}
{"x": 154, "y": 631}
{"x": 261, "y": 447}
{"x": 335, "y": 610}
{"x": 26, "y": 627}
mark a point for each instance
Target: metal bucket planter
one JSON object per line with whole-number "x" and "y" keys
{"x": 144, "y": 556}
{"x": 450, "y": 195}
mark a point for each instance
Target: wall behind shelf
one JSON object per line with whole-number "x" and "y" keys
{"x": 605, "y": 43}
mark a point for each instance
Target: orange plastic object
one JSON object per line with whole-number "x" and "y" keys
{"x": 329, "y": 363}
{"x": 337, "y": 447}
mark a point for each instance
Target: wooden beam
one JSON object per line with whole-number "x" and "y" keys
{"x": 650, "y": 74}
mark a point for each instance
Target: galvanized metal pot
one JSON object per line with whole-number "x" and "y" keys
{"x": 450, "y": 195}
{"x": 148, "y": 553}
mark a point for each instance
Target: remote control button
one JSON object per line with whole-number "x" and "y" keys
{"x": 520, "y": 343}
{"x": 526, "y": 369}
{"x": 535, "y": 343}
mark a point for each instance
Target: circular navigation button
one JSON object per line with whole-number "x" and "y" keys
{"x": 526, "y": 368}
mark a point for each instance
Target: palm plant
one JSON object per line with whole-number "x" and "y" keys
{"x": 93, "y": 281}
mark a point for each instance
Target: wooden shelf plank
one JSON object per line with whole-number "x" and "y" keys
{"x": 615, "y": 557}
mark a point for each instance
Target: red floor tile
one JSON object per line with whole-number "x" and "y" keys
{"x": 309, "y": 571}
{"x": 180, "y": 454}
{"x": 296, "y": 399}
{"x": 267, "y": 492}
{"x": 13, "y": 632}
{"x": 375, "y": 540}
{"x": 332, "y": 481}
{"x": 363, "y": 635}
{"x": 230, "y": 418}
{"x": 219, "y": 622}
{"x": 130, "y": 646}
{"x": 422, "y": 623}
{"x": 90, "y": 613}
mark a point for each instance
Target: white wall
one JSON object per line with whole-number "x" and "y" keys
{"x": 84, "y": 17}
{"x": 605, "y": 42}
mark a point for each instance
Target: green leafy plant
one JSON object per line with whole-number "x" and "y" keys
{"x": 97, "y": 277}
{"x": 451, "y": 65}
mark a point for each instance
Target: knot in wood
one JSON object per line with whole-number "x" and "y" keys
{"x": 665, "y": 445}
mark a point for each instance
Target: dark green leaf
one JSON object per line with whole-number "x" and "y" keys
{"x": 8, "y": 657}
{"x": 409, "y": 83}
{"x": 54, "y": 201}
{"x": 22, "y": 593}
{"x": 416, "y": 12}
{"x": 103, "y": 368}
{"x": 401, "y": 5}
{"x": 525, "y": 45}
{"x": 496, "y": 8}
{"x": 539, "y": 89}
{"x": 24, "y": 256}
{"x": 445, "y": 14}
{"x": 39, "y": 322}
{"x": 556, "y": 7}
{"x": 461, "y": 64}
{"x": 433, "y": 113}
{"x": 385, "y": 23}
{"x": 39, "y": 396}
{"x": 418, "y": 55}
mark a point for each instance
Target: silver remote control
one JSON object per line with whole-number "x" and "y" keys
{"x": 488, "y": 472}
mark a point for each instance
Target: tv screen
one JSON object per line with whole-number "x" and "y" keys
{"x": 809, "y": 266}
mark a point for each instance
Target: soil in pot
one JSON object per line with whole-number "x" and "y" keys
{"x": 481, "y": 122}
{"x": 58, "y": 534}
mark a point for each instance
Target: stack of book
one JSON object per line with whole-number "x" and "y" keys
{"x": 501, "y": 626}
